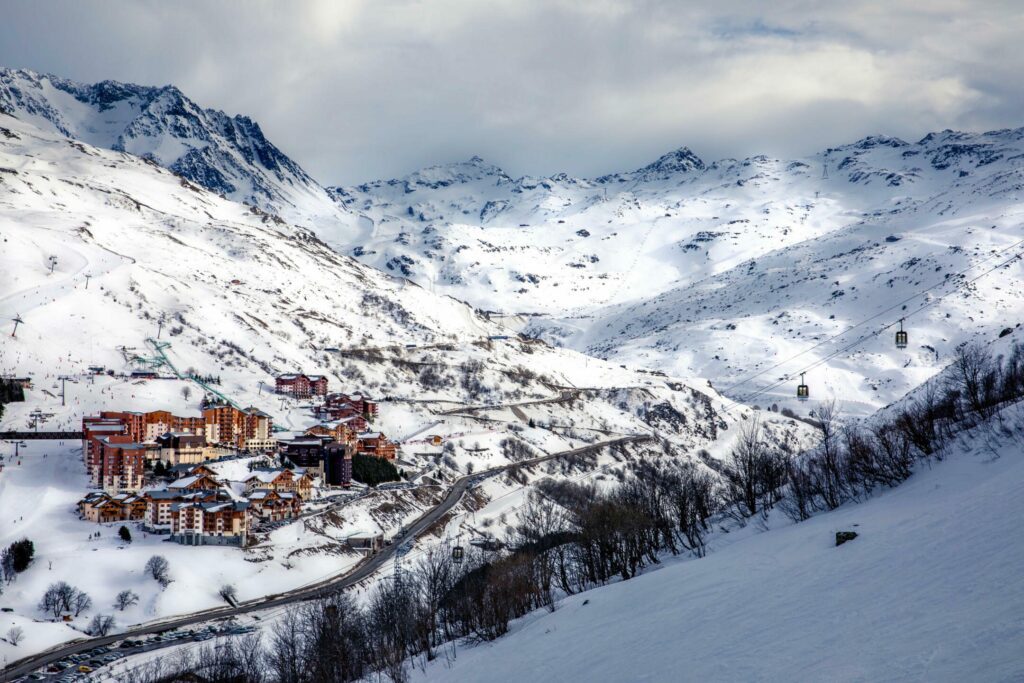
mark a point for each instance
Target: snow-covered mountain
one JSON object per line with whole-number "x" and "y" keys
{"x": 666, "y": 266}
{"x": 238, "y": 288}
{"x": 722, "y": 269}
{"x": 111, "y": 261}
{"x": 120, "y": 221}
{"x": 228, "y": 155}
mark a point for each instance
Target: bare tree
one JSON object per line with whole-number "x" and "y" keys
{"x": 827, "y": 465}
{"x": 15, "y": 635}
{"x": 80, "y": 602}
{"x": 101, "y": 625}
{"x": 186, "y": 392}
{"x": 125, "y": 599}
{"x": 7, "y": 571}
{"x": 228, "y": 592}
{"x": 158, "y": 567}
{"x": 286, "y": 653}
{"x": 58, "y": 598}
{"x": 742, "y": 473}
{"x": 973, "y": 378}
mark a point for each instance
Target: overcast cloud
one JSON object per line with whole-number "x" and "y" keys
{"x": 361, "y": 90}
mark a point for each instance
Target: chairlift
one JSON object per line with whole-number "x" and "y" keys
{"x": 901, "y": 337}
{"x": 802, "y": 392}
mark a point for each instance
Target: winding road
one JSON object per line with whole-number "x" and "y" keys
{"x": 340, "y": 582}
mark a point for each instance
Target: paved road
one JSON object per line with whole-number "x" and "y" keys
{"x": 340, "y": 582}
{"x": 563, "y": 397}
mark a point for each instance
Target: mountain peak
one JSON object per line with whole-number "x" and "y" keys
{"x": 677, "y": 162}
{"x": 225, "y": 154}
{"x": 681, "y": 160}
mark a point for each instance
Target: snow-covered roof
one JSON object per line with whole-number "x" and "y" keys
{"x": 163, "y": 495}
{"x": 266, "y": 476}
{"x": 106, "y": 427}
{"x": 130, "y": 446}
{"x": 185, "y": 482}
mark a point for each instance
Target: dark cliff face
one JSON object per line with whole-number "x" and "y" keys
{"x": 225, "y": 154}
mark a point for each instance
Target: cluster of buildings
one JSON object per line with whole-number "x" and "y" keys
{"x": 199, "y": 507}
{"x": 117, "y": 446}
{"x": 156, "y": 467}
{"x": 342, "y": 432}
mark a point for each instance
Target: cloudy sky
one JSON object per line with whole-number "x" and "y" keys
{"x": 362, "y": 90}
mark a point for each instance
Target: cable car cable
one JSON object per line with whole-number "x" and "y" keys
{"x": 747, "y": 398}
{"x": 869, "y": 319}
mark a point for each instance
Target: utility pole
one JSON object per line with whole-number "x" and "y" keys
{"x": 87, "y": 276}
{"x": 17, "y": 321}
{"x": 53, "y": 263}
{"x": 159, "y": 325}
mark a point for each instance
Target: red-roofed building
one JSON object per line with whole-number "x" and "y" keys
{"x": 299, "y": 385}
{"x": 377, "y": 445}
{"x": 120, "y": 464}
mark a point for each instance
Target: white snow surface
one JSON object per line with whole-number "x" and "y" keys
{"x": 929, "y": 591}
{"x": 723, "y": 269}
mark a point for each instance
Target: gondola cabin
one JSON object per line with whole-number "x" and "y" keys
{"x": 802, "y": 391}
{"x": 901, "y": 338}
{"x": 457, "y": 553}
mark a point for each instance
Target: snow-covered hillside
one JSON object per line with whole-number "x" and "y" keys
{"x": 564, "y": 245}
{"x": 103, "y": 253}
{"x": 930, "y": 590}
{"x": 228, "y": 155}
{"x": 138, "y": 251}
{"x": 722, "y": 269}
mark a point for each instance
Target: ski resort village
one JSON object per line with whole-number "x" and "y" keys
{"x": 171, "y": 473}
{"x": 749, "y": 409}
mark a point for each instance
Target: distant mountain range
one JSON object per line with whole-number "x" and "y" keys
{"x": 669, "y": 265}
